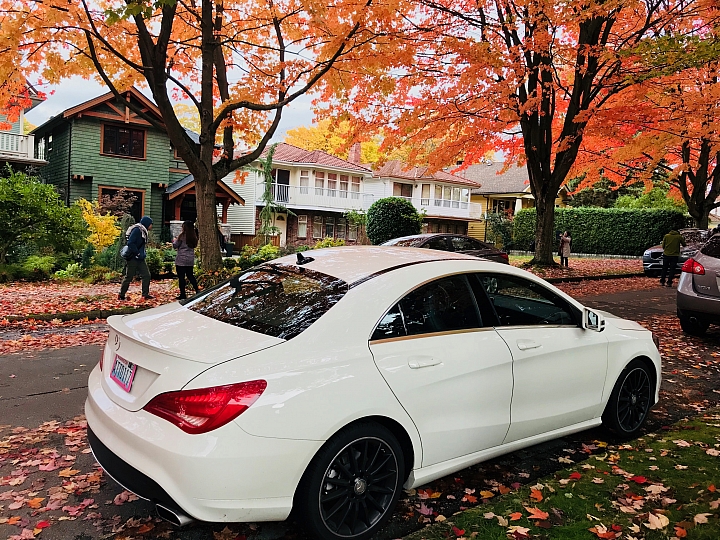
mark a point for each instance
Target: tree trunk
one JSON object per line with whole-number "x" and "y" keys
{"x": 544, "y": 232}
{"x": 210, "y": 256}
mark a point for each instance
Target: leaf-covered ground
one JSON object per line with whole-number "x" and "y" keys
{"x": 578, "y": 267}
{"x": 659, "y": 486}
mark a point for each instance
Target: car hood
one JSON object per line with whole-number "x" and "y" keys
{"x": 181, "y": 332}
{"x": 690, "y": 248}
{"x": 619, "y": 322}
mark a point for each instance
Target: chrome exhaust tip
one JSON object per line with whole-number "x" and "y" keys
{"x": 173, "y": 516}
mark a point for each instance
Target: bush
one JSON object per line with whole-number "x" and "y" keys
{"x": 252, "y": 256}
{"x": 615, "y": 231}
{"x": 10, "y": 272}
{"x": 38, "y": 268}
{"x": 328, "y": 242}
{"x": 154, "y": 260}
{"x": 229, "y": 263}
{"x": 72, "y": 271}
{"x": 102, "y": 274}
{"x": 392, "y": 217}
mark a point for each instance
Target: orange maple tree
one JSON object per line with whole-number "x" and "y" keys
{"x": 525, "y": 77}
{"x": 238, "y": 63}
{"x": 668, "y": 123}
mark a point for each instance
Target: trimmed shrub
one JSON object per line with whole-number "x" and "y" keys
{"x": 612, "y": 231}
{"x": 392, "y": 217}
{"x": 154, "y": 260}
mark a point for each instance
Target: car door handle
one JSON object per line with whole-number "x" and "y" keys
{"x": 525, "y": 344}
{"x": 417, "y": 362}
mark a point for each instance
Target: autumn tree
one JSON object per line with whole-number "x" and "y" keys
{"x": 668, "y": 122}
{"x": 525, "y": 77}
{"x": 238, "y": 63}
{"x": 334, "y": 138}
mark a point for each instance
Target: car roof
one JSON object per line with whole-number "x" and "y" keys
{"x": 356, "y": 263}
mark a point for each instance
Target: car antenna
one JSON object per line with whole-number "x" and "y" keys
{"x": 302, "y": 259}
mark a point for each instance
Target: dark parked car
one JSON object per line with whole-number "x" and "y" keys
{"x": 652, "y": 258}
{"x": 698, "y": 292}
{"x": 452, "y": 242}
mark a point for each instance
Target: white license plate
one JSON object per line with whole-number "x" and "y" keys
{"x": 123, "y": 372}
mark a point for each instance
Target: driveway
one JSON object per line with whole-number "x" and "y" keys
{"x": 41, "y": 398}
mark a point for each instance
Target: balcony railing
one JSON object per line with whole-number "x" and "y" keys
{"x": 310, "y": 196}
{"x": 447, "y": 208}
{"x": 18, "y": 146}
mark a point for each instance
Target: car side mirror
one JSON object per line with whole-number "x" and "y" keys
{"x": 592, "y": 321}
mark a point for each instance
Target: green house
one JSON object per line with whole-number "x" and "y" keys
{"x": 98, "y": 147}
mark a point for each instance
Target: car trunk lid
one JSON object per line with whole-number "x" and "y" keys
{"x": 162, "y": 349}
{"x": 707, "y": 284}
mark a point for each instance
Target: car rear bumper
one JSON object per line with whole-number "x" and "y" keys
{"x": 226, "y": 475}
{"x": 692, "y": 304}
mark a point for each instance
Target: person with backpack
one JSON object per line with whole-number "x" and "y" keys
{"x": 185, "y": 244}
{"x": 134, "y": 255}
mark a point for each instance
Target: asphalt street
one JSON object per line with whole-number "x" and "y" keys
{"x": 51, "y": 385}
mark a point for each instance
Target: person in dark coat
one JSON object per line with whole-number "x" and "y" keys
{"x": 137, "y": 236}
{"x": 185, "y": 244}
{"x": 671, "y": 253}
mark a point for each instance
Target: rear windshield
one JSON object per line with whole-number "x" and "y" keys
{"x": 404, "y": 242}
{"x": 712, "y": 248}
{"x": 276, "y": 300}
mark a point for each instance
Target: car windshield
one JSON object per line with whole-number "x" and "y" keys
{"x": 694, "y": 236}
{"x": 712, "y": 248}
{"x": 276, "y": 300}
{"x": 404, "y": 242}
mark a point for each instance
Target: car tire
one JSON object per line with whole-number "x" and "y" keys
{"x": 630, "y": 400}
{"x": 693, "y": 326}
{"x": 351, "y": 486}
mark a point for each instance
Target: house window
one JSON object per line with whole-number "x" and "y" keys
{"x": 355, "y": 187}
{"x": 341, "y": 228}
{"x": 319, "y": 182}
{"x": 304, "y": 183}
{"x": 464, "y": 197}
{"x": 317, "y": 227}
{"x": 447, "y": 196}
{"x": 302, "y": 227}
{"x": 137, "y": 210}
{"x": 49, "y": 144}
{"x": 344, "y": 186}
{"x": 122, "y": 141}
{"x": 329, "y": 227}
{"x": 425, "y": 195}
{"x": 352, "y": 231}
{"x": 502, "y": 206}
{"x": 332, "y": 185}
{"x": 402, "y": 190}
{"x": 456, "y": 197}
{"x": 438, "y": 195}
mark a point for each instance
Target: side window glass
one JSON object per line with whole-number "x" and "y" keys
{"x": 391, "y": 325}
{"x": 464, "y": 244}
{"x": 437, "y": 243}
{"x": 443, "y": 305}
{"x": 520, "y": 302}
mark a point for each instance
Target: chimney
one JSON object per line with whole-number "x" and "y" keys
{"x": 354, "y": 154}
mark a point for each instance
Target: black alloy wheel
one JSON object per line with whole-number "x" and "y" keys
{"x": 353, "y": 484}
{"x": 630, "y": 400}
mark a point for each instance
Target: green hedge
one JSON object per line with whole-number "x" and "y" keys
{"x": 613, "y": 231}
{"x": 392, "y": 217}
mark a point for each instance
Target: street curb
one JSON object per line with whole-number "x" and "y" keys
{"x": 571, "y": 279}
{"x": 77, "y": 315}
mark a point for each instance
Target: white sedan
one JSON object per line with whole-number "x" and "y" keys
{"x": 329, "y": 381}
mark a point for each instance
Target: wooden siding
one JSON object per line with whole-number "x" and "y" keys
{"x": 242, "y": 218}
{"x": 56, "y": 171}
{"x": 16, "y": 127}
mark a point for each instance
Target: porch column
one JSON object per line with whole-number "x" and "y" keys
{"x": 178, "y": 204}
{"x": 225, "y": 206}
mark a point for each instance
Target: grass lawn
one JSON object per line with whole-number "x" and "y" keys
{"x": 661, "y": 486}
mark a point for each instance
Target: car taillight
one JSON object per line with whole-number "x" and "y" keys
{"x": 691, "y": 266}
{"x": 505, "y": 256}
{"x": 205, "y": 409}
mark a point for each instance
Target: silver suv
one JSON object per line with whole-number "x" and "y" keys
{"x": 698, "y": 292}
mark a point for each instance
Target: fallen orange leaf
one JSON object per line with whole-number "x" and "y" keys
{"x": 536, "y": 495}
{"x": 515, "y": 516}
{"x": 680, "y": 532}
{"x": 536, "y": 513}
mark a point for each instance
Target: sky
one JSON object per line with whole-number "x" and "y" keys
{"x": 76, "y": 90}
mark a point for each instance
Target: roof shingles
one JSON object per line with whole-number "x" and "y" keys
{"x": 288, "y": 153}
{"x": 514, "y": 180}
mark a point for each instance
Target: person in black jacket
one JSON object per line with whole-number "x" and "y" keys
{"x": 136, "y": 241}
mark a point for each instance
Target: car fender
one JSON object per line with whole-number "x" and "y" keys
{"x": 623, "y": 347}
